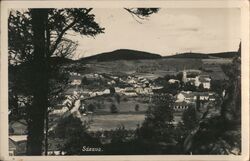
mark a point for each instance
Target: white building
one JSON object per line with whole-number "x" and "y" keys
{"x": 76, "y": 82}
{"x": 60, "y": 111}
{"x": 205, "y": 80}
{"x": 190, "y": 96}
{"x": 106, "y": 91}
{"x": 171, "y": 81}
{"x": 187, "y": 96}
{"x": 17, "y": 144}
{"x": 130, "y": 93}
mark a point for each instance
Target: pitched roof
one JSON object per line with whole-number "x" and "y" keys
{"x": 190, "y": 94}
{"x": 12, "y": 145}
{"x": 187, "y": 94}
{"x": 21, "y": 121}
{"x": 18, "y": 138}
{"x": 204, "y": 78}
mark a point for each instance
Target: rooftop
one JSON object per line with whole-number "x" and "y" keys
{"x": 18, "y": 138}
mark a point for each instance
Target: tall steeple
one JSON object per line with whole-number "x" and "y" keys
{"x": 184, "y": 75}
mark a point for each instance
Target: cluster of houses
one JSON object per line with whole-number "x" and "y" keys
{"x": 99, "y": 93}
{"x": 65, "y": 105}
{"x": 139, "y": 86}
{"x": 187, "y": 99}
{"x": 76, "y": 78}
{"x": 196, "y": 79}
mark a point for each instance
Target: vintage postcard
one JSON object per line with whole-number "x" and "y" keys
{"x": 124, "y": 80}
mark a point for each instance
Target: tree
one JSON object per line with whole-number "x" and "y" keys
{"x": 201, "y": 87}
{"x": 219, "y": 86}
{"x": 75, "y": 136}
{"x": 112, "y": 90}
{"x": 39, "y": 83}
{"x": 37, "y": 35}
{"x": 190, "y": 119}
{"x": 44, "y": 28}
{"x": 119, "y": 135}
{"x": 158, "y": 126}
{"x": 220, "y": 134}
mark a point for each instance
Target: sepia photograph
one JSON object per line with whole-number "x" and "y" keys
{"x": 111, "y": 81}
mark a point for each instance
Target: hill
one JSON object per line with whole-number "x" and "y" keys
{"x": 189, "y": 55}
{"x": 123, "y": 54}
{"x": 204, "y": 56}
{"x": 231, "y": 54}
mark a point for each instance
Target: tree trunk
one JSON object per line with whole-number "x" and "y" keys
{"x": 47, "y": 31}
{"x": 39, "y": 84}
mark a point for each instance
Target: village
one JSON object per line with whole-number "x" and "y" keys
{"x": 130, "y": 86}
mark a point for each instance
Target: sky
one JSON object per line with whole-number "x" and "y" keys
{"x": 170, "y": 31}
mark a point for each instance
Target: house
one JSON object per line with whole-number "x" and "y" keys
{"x": 204, "y": 96}
{"x": 148, "y": 90}
{"x": 156, "y": 87}
{"x": 18, "y": 127}
{"x": 60, "y": 109}
{"x": 76, "y": 82}
{"x": 130, "y": 93}
{"x": 205, "y": 81}
{"x": 68, "y": 102}
{"x": 118, "y": 89}
{"x": 17, "y": 144}
{"x": 139, "y": 90}
{"x": 106, "y": 91}
{"x": 190, "y": 96}
{"x": 188, "y": 77}
{"x": 12, "y": 148}
{"x": 92, "y": 94}
{"x": 131, "y": 81}
{"x": 129, "y": 89}
{"x": 187, "y": 96}
{"x": 197, "y": 79}
{"x": 172, "y": 81}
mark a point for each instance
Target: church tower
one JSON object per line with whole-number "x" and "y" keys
{"x": 184, "y": 76}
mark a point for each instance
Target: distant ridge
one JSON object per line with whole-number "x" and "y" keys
{"x": 123, "y": 54}
{"x": 230, "y": 54}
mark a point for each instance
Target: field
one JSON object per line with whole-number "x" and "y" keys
{"x": 103, "y": 119}
{"x": 113, "y": 121}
